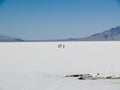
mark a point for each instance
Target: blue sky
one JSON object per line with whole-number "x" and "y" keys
{"x": 57, "y": 19}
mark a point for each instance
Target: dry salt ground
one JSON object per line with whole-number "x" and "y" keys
{"x": 42, "y": 65}
{"x": 38, "y": 81}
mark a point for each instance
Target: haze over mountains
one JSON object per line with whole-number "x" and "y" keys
{"x": 4, "y": 38}
{"x": 109, "y": 35}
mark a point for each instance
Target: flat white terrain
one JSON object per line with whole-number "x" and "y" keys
{"x": 37, "y": 81}
{"x": 43, "y": 65}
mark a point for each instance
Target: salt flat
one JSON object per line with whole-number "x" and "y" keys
{"x": 42, "y": 65}
{"x": 26, "y": 81}
{"x": 76, "y": 57}
{"x": 38, "y": 81}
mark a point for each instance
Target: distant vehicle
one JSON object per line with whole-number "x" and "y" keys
{"x": 61, "y": 46}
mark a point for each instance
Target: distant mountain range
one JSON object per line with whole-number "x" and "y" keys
{"x": 4, "y": 38}
{"x": 109, "y": 35}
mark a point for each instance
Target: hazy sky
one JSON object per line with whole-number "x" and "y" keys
{"x": 55, "y": 19}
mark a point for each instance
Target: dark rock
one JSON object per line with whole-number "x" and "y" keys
{"x": 74, "y": 75}
{"x": 109, "y": 77}
{"x": 81, "y": 78}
